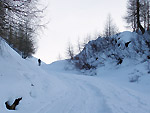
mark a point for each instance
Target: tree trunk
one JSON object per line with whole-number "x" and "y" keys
{"x": 138, "y": 17}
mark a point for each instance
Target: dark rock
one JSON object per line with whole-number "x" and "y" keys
{"x": 13, "y": 106}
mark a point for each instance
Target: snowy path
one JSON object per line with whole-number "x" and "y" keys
{"x": 81, "y": 97}
{"x": 92, "y": 95}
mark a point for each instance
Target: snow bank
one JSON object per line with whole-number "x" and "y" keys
{"x": 24, "y": 78}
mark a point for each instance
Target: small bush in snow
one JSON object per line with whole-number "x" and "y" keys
{"x": 134, "y": 78}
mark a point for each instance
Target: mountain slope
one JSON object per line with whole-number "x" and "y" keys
{"x": 53, "y": 89}
{"x": 22, "y": 78}
{"x": 114, "y": 50}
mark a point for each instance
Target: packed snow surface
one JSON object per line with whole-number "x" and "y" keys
{"x": 54, "y": 89}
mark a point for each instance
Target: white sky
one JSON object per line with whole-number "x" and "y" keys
{"x": 73, "y": 19}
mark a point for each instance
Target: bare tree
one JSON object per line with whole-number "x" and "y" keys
{"x": 70, "y": 51}
{"x": 139, "y": 26}
{"x": 131, "y": 14}
{"x": 3, "y": 21}
{"x": 145, "y": 14}
{"x": 86, "y": 40}
{"x": 138, "y": 15}
{"x": 110, "y": 28}
{"x": 79, "y": 46}
{"x": 59, "y": 57}
{"x": 148, "y": 15}
{"x": 20, "y": 22}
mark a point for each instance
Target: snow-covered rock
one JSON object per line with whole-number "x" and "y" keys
{"x": 113, "y": 50}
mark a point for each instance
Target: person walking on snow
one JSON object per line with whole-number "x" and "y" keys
{"x": 39, "y": 61}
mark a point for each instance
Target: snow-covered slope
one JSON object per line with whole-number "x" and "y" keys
{"x": 109, "y": 92}
{"x": 114, "y": 50}
{"x": 24, "y": 78}
{"x": 52, "y": 89}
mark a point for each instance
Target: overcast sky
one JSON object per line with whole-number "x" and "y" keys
{"x": 73, "y": 19}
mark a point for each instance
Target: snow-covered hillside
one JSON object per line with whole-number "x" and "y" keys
{"x": 53, "y": 89}
{"x": 114, "y": 50}
{"x": 110, "y": 91}
{"x": 24, "y": 78}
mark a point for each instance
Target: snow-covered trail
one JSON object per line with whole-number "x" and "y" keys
{"x": 80, "y": 97}
{"x": 87, "y": 94}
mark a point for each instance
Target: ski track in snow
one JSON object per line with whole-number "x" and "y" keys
{"x": 81, "y": 97}
{"x": 92, "y": 95}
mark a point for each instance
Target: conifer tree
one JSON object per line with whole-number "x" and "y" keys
{"x": 138, "y": 15}
{"x": 19, "y": 21}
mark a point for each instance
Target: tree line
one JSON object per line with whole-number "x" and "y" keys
{"x": 19, "y": 20}
{"x": 138, "y": 15}
{"x": 110, "y": 29}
